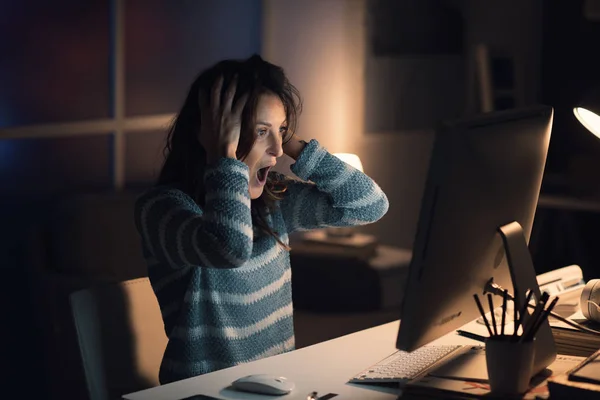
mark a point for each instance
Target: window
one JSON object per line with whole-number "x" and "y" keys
{"x": 88, "y": 88}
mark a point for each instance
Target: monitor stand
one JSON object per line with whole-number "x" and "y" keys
{"x": 523, "y": 276}
{"x": 471, "y": 364}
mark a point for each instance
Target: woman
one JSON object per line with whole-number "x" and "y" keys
{"x": 215, "y": 227}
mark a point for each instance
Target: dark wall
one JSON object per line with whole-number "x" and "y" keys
{"x": 570, "y": 68}
{"x": 415, "y": 64}
{"x": 56, "y": 68}
{"x": 417, "y": 86}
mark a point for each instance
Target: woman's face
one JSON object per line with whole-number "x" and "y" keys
{"x": 270, "y": 128}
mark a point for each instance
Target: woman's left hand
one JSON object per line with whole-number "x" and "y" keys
{"x": 294, "y": 147}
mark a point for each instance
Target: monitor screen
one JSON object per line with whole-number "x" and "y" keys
{"x": 484, "y": 172}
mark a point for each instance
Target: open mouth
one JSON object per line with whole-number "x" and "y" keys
{"x": 261, "y": 175}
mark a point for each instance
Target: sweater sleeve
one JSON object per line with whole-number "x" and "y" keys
{"x": 330, "y": 193}
{"x": 176, "y": 231}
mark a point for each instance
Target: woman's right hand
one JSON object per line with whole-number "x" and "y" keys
{"x": 221, "y": 121}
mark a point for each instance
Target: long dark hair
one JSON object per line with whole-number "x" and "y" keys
{"x": 185, "y": 158}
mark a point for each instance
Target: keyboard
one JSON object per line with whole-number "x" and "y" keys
{"x": 403, "y": 366}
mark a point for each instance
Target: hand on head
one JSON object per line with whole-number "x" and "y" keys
{"x": 293, "y": 146}
{"x": 221, "y": 120}
{"x": 238, "y": 109}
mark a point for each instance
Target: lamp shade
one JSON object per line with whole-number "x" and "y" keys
{"x": 588, "y": 112}
{"x": 351, "y": 159}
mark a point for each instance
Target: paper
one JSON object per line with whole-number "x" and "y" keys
{"x": 571, "y": 341}
{"x": 589, "y": 371}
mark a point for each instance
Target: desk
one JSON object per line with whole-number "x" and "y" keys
{"x": 324, "y": 367}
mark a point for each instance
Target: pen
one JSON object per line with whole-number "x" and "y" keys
{"x": 471, "y": 335}
{"x": 480, "y": 307}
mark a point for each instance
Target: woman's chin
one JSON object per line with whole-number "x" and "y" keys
{"x": 255, "y": 192}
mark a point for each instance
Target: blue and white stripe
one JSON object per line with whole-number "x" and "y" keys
{"x": 225, "y": 290}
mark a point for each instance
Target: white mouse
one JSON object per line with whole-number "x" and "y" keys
{"x": 264, "y": 384}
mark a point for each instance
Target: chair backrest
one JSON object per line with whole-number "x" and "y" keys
{"x": 121, "y": 337}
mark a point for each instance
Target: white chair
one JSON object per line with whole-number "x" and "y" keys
{"x": 121, "y": 337}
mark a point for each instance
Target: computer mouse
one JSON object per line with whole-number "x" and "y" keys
{"x": 264, "y": 384}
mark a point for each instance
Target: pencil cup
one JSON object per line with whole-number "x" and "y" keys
{"x": 509, "y": 364}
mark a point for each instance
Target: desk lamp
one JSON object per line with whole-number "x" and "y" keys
{"x": 584, "y": 167}
{"x": 346, "y": 236}
{"x": 588, "y": 112}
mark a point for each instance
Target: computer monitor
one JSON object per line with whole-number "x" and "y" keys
{"x": 478, "y": 205}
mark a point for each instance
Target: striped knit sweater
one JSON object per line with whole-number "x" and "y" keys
{"x": 223, "y": 287}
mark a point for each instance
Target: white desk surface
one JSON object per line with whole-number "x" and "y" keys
{"x": 324, "y": 367}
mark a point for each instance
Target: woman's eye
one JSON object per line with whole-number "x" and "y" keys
{"x": 262, "y": 132}
{"x": 283, "y": 129}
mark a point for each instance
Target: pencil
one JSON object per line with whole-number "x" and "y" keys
{"x": 534, "y": 316}
{"x": 491, "y": 304}
{"x": 522, "y": 313}
{"x": 543, "y": 316}
{"x": 504, "y": 300}
{"x": 471, "y": 335}
{"x": 480, "y": 307}
{"x": 515, "y": 314}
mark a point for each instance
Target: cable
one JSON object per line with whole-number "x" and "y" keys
{"x": 573, "y": 323}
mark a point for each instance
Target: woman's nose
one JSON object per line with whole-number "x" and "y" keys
{"x": 276, "y": 148}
